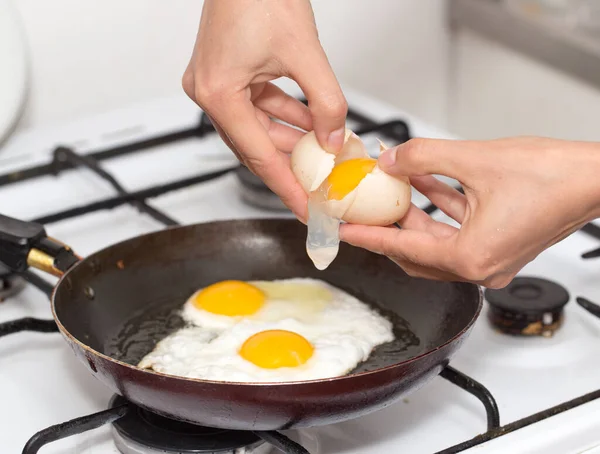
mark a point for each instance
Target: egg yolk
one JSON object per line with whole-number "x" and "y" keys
{"x": 231, "y": 298}
{"x": 346, "y": 176}
{"x": 276, "y": 348}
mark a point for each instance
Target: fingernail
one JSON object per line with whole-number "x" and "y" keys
{"x": 387, "y": 158}
{"x": 335, "y": 141}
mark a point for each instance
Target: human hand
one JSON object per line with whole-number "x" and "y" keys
{"x": 240, "y": 47}
{"x": 521, "y": 196}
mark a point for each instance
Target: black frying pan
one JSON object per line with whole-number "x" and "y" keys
{"x": 113, "y": 307}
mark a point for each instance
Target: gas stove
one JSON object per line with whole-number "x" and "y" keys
{"x": 526, "y": 381}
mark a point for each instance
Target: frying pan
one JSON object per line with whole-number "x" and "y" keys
{"x": 115, "y": 305}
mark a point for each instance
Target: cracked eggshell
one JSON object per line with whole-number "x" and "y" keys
{"x": 353, "y": 148}
{"x": 311, "y": 164}
{"x": 339, "y": 208}
{"x": 379, "y": 199}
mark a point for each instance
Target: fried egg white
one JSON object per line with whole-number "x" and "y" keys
{"x": 283, "y": 351}
{"x": 226, "y": 303}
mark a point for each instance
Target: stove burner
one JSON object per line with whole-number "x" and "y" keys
{"x": 528, "y": 306}
{"x": 144, "y": 432}
{"x": 10, "y": 284}
{"x": 256, "y": 193}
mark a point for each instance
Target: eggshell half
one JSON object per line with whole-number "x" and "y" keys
{"x": 311, "y": 164}
{"x": 353, "y": 148}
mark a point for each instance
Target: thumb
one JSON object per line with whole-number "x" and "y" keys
{"x": 419, "y": 157}
{"x": 326, "y": 101}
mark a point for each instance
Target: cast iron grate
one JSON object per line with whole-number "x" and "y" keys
{"x": 275, "y": 438}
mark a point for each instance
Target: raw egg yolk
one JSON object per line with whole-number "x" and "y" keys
{"x": 276, "y": 348}
{"x": 346, "y": 176}
{"x": 232, "y": 298}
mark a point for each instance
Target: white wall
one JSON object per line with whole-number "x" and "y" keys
{"x": 498, "y": 92}
{"x": 94, "y": 56}
{"x": 396, "y": 50}
{"x": 97, "y": 55}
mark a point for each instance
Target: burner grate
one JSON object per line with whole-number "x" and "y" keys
{"x": 62, "y": 155}
{"x": 592, "y": 308}
{"x": 479, "y": 391}
{"x": 132, "y": 421}
{"x": 9, "y": 284}
{"x": 28, "y": 324}
{"x": 521, "y": 423}
{"x": 119, "y": 200}
{"x": 204, "y": 127}
{"x": 591, "y": 254}
{"x": 73, "y": 427}
{"x": 125, "y": 410}
{"x": 38, "y": 281}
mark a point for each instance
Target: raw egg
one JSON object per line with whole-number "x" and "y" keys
{"x": 349, "y": 187}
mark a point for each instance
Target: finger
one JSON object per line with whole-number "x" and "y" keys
{"x": 276, "y": 103}
{"x": 417, "y": 219}
{"x": 445, "y": 197}
{"x": 409, "y": 267}
{"x": 237, "y": 116}
{"x": 327, "y": 104}
{"x": 426, "y": 273}
{"x": 188, "y": 83}
{"x": 284, "y": 137}
{"x": 226, "y": 139}
{"x": 419, "y": 157}
{"x": 422, "y": 248}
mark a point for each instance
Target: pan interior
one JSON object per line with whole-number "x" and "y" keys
{"x": 139, "y": 335}
{"x": 121, "y": 301}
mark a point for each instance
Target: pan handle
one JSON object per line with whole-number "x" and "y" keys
{"x": 25, "y": 244}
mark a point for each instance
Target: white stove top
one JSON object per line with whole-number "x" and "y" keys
{"x": 41, "y": 382}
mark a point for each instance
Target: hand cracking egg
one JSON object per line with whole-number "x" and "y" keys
{"x": 349, "y": 187}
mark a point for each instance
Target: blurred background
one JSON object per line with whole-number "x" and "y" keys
{"x": 477, "y": 68}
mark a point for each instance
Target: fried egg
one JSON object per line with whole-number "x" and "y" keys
{"x": 224, "y": 304}
{"x": 249, "y": 352}
{"x": 330, "y": 342}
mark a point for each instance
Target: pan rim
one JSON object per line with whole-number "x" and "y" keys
{"x": 137, "y": 369}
